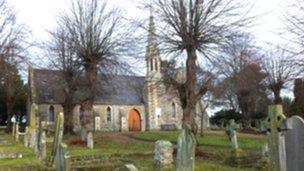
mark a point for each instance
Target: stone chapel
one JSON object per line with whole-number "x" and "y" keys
{"x": 128, "y": 103}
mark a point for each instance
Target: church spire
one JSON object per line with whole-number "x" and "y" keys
{"x": 151, "y": 49}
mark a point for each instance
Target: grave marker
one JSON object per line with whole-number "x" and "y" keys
{"x": 90, "y": 140}
{"x": 185, "y": 150}
{"x": 97, "y": 123}
{"x": 277, "y": 155}
{"x": 230, "y": 130}
{"x": 163, "y": 153}
{"x": 294, "y": 141}
{"x": 58, "y": 137}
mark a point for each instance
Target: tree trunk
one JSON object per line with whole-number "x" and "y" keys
{"x": 88, "y": 117}
{"x": 277, "y": 97}
{"x": 188, "y": 93}
{"x": 68, "y": 117}
{"x": 69, "y": 103}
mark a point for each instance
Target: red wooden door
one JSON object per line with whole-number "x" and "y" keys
{"x": 134, "y": 120}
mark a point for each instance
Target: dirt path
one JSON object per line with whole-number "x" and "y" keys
{"x": 125, "y": 137}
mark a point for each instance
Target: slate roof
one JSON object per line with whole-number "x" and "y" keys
{"x": 118, "y": 90}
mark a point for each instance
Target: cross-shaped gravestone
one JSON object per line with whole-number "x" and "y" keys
{"x": 294, "y": 141}
{"x": 230, "y": 131}
{"x": 58, "y": 136}
{"x": 186, "y": 143}
{"x": 277, "y": 154}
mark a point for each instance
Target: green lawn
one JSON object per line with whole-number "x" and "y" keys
{"x": 10, "y": 146}
{"x": 215, "y": 151}
{"x": 219, "y": 139}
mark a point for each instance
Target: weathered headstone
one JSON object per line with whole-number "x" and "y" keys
{"x": 128, "y": 167}
{"x": 230, "y": 131}
{"x": 124, "y": 125}
{"x": 61, "y": 157}
{"x": 185, "y": 150}
{"x": 294, "y": 141}
{"x": 90, "y": 140}
{"x": 26, "y": 138}
{"x": 32, "y": 111}
{"x": 42, "y": 146}
{"x": 58, "y": 137}
{"x": 277, "y": 154}
{"x": 97, "y": 123}
{"x": 17, "y": 131}
{"x": 163, "y": 153}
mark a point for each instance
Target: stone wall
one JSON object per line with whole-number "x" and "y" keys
{"x": 117, "y": 112}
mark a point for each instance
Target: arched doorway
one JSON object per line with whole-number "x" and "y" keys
{"x": 134, "y": 120}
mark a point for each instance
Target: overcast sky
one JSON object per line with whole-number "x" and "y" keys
{"x": 40, "y": 16}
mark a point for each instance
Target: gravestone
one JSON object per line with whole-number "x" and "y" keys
{"x": 97, "y": 123}
{"x": 185, "y": 150}
{"x": 124, "y": 124}
{"x": 163, "y": 153}
{"x": 90, "y": 140}
{"x": 62, "y": 160}
{"x": 32, "y": 111}
{"x": 58, "y": 137}
{"x": 276, "y": 142}
{"x": 42, "y": 146}
{"x": 230, "y": 131}
{"x": 294, "y": 141}
{"x": 26, "y": 138}
{"x": 128, "y": 167}
{"x": 17, "y": 131}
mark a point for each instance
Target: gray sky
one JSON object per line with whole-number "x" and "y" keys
{"x": 40, "y": 15}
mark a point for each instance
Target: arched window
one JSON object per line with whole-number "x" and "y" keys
{"x": 109, "y": 114}
{"x": 81, "y": 113}
{"x": 151, "y": 64}
{"x": 156, "y": 66}
{"x": 173, "y": 110}
{"x": 51, "y": 114}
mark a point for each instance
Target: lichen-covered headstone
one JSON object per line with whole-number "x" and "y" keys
{"x": 294, "y": 141}
{"x": 42, "y": 146}
{"x": 163, "y": 153}
{"x": 58, "y": 136}
{"x": 230, "y": 131}
{"x": 185, "y": 150}
{"x": 277, "y": 154}
{"x": 90, "y": 140}
{"x": 26, "y": 138}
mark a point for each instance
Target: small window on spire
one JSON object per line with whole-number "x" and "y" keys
{"x": 151, "y": 63}
{"x": 156, "y": 66}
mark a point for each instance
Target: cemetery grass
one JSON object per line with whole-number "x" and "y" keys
{"x": 10, "y": 146}
{"x": 137, "y": 148}
{"x": 212, "y": 138}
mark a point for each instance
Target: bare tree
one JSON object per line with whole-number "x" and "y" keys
{"x": 197, "y": 28}
{"x": 98, "y": 39}
{"x": 242, "y": 78}
{"x": 62, "y": 57}
{"x": 12, "y": 48}
{"x": 281, "y": 69}
{"x": 294, "y": 19}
